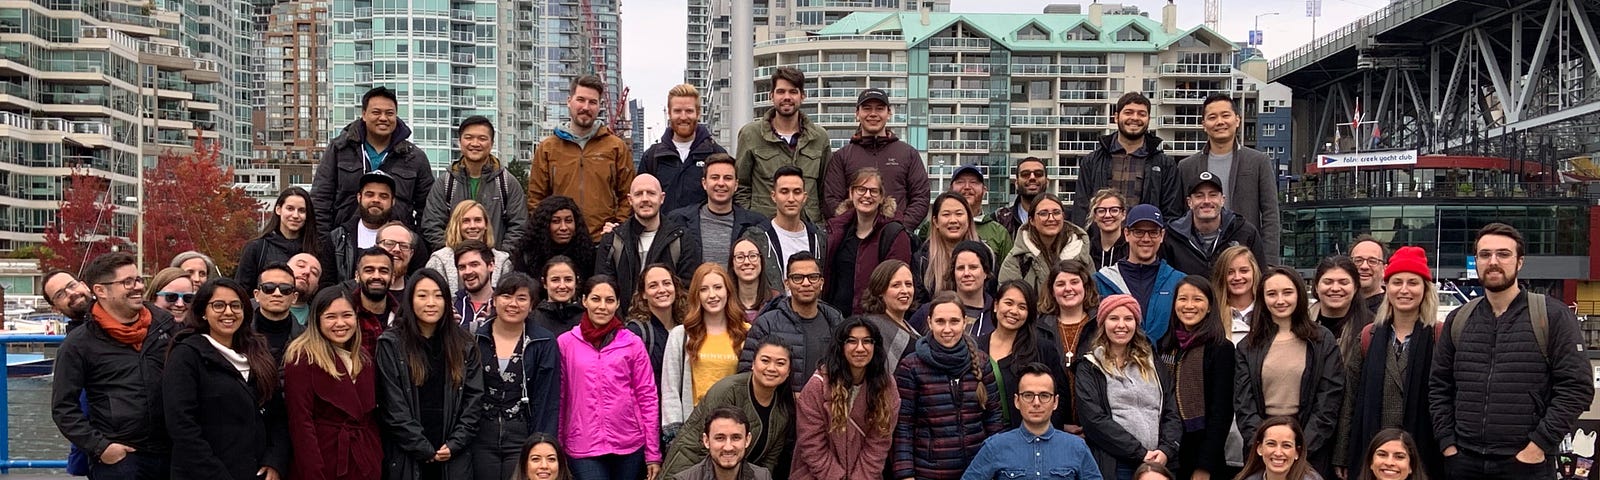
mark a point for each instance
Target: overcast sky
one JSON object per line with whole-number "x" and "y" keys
{"x": 653, "y": 33}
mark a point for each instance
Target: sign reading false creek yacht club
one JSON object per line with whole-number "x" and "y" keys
{"x": 1367, "y": 159}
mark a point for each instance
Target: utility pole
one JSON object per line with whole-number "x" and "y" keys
{"x": 743, "y": 52}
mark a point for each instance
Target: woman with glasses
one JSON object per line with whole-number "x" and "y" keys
{"x": 1107, "y": 210}
{"x": 1126, "y": 394}
{"x": 703, "y": 350}
{"x": 1016, "y": 342}
{"x": 890, "y": 293}
{"x": 847, "y": 413}
{"x": 863, "y": 222}
{"x": 1197, "y": 350}
{"x": 560, "y": 308}
{"x": 468, "y": 221}
{"x": 330, "y": 390}
{"x": 1047, "y": 238}
{"x": 751, "y": 287}
{"x": 521, "y": 379}
{"x": 290, "y": 230}
{"x": 429, "y": 387}
{"x": 220, "y": 393}
{"x": 952, "y": 223}
{"x": 1288, "y": 365}
{"x": 172, "y": 290}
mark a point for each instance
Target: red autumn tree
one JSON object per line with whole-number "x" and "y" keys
{"x": 192, "y": 204}
{"x": 83, "y": 229}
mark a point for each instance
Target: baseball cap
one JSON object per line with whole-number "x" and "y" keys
{"x": 1195, "y": 180}
{"x": 1144, "y": 212}
{"x": 870, "y": 95}
{"x": 377, "y": 176}
{"x": 968, "y": 168}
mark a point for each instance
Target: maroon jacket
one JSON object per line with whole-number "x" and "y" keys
{"x": 905, "y": 178}
{"x": 866, "y": 255}
{"x": 333, "y": 424}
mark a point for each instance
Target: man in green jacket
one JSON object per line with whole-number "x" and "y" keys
{"x": 784, "y": 136}
{"x": 968, "y": 181}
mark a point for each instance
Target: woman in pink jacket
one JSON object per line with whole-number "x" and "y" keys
{"x": 610, "y": 422}
{"x": 833, "y": 442}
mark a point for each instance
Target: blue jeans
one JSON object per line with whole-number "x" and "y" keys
{"x": 609, "y": 467}
{"x": 135, "y": 466}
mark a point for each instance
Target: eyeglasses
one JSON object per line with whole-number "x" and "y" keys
{"x": 747, "y": 257}
{"x": 1108, "y": 211}
{"x": 62, "y": 293}
{"x": 276, "y": 288}
{"x": 1032, "y": 397}
{"x": 1047, "y": 214}
{"x": 807, "y": 278}
{"x": 1499, "y": 255}
{"x": 1367, "y": 261}
{"x": 1143, "y": 233}
{"x": 129, "y": 282}
{"x": 174, "y": 297}
{"x": 220, "y": 306}
{"x": 867, "y": 191}
{"x": 395, "y": 245}
{"x": 854, "y": 342}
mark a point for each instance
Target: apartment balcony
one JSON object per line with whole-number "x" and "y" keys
{"x": 1196, "y": 69}
{"x": 949, "y": 44}
{"x": 1182, "y": 120}
{"x": 1187, "y": 146}
{"x": 960, "y": 95}
{"x": 1083, "y": 96}
{"x": 97, "y": 35}
{"x": 1035, "y": 120}
{"x": 861, "y": 68}
{"x": 462, "y": 79}
{"x": 837, "y": 119}
{"x": 462, "y": 15}
{"x": 1080, "y": 147}
{"x": 463, "y": 37}
{"x": 827, "y": 95}
{"x": 964, "y": 146}
{"x": 830, "y": 38}
{"x": 1084, "y": 69}
{"x": 1184, "y": 95}
{"x": 165, "y": 57}
{"x": 982, "y": 69}
{"x": 970, "y": 121}
{"x": 463, "y": 58}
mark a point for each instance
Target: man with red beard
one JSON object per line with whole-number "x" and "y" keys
{"x": 1131, "y": 160}
{"x": 1510, "y": 376}
{"x": 679, "y": 159}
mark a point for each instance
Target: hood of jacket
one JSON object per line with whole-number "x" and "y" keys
{"x": 1152, "y": 143}
{"x": 1184, "y": 226}
{"x": 1025, "y": 241}
{"x": 874, "y": 143}
{"x": 600, "y": 130}
{"x": 356, "y": 133}
{"x": 491, "y": 169}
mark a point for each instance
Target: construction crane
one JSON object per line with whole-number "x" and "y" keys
{"x": 1213, "y": 13}
{"x": 614, "y": 105}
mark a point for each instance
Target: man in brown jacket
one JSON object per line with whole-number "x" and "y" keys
{"x": 585, "y": 161}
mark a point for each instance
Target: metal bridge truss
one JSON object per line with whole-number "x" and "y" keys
{"x": 1525, "y": 70}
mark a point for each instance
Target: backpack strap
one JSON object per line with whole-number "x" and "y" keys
{"x": 675, "y": 249}
{"x": 505, "y": 194}
{"x": 1366, "y": 338}
{"x": 1005, "y": 415}
{"x": 1539, "y": 314}
{"x": 1458, "y": 320}
{"x": 886, "y": 238}
{"x": 616, "y": 249}
{"x": 449, "y": 189}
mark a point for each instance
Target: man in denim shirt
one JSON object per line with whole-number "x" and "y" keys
{"x": 1037, "y": 450}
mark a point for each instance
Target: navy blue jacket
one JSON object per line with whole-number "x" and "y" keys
{"x": 680, "y": 177}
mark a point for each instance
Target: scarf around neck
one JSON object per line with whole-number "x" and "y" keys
{"x": 595, "y": 334}
{"x": 130, "y": 334}
{"x": 238, "y": 360}
{"x": 953, "y": 361}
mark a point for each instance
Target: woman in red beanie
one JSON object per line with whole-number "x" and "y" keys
{"x": 1387, "y": 375}
{"x": 1288, "y": 365}
{"x": 1125, "y": 394}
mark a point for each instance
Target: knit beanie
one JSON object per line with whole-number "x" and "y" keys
{"x": 1408, "y": 260}
{"x": 1111, "y": 303}
{"x": 985, "y": 257}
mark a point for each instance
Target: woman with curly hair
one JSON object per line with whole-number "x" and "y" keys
{"x": 845, "y": 417}
{"x": 659, "y": 305}
{"x": 563, "y": 233}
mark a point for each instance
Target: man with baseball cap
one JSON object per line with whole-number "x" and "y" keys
{"x": 903, "y": 176}
{"x": 1143, "y": 274}
{"x": 969, "y": 182}
{"x": 376, "y": 205}
{"x": 1194, "y": 241}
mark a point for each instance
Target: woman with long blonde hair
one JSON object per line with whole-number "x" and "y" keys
{"x": 469, "y": 220}
{"x": 705, "y": 348}
{"x": 330, "y": 390}
{"x": 1234, "y": 278}
{"x": 1126, "y": 394}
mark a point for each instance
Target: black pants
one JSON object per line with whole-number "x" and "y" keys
{"x": 1469, "y": 466}
{"x": 499, "y": 443}
{"x": 135, "y": 466}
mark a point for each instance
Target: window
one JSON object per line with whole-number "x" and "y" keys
{"x": 1032, "y": 32}
{"x": 1083, "y": 33}
{"x": 1132, "y": 34}
{"x": 1039, "y": 141}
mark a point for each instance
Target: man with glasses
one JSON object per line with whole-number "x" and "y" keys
{"x": 360, "y": 232}
{"x": 1038, "y": 446}
{"x": 801, "y": 321}
{"x": 1031, "y": 182}
{"x": 275, "y": 293}
{"x": 116, "y": 361}
{"x": 717, "y": 222}
{"x": 68, "y": 297}
{"x": 1510, "y": 375}
{"x": 1194, "y": 241}
{"x": 905, "y": 178}
{"x": 1369, "y": 254}
{"x": 402, "y": 244}
{"x": 1144, "y": 275}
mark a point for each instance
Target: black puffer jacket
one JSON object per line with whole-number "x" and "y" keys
{"x": 624, "y": 265}
{"x": 1492, "y": 390}
{"x": 338, "y": 177}
{"x": 780, "y": 319}
{"x": 1110, "y": 443}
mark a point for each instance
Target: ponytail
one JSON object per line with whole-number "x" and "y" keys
{"x": 977, "y": 372}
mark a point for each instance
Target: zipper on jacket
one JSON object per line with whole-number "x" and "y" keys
{"x": 961, "y": 422}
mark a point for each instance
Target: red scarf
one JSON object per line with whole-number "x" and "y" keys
{"x": 131, "y": 334}
{"x": 594, "y": 334}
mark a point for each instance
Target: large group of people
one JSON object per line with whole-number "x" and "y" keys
{"x": 793, "y": 312}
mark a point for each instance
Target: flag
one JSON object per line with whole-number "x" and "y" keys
{"x": 1337, "y": 138}
{"x": 1355, "y": 119}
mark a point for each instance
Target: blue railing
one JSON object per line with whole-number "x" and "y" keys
{"x": 6, "y": 462}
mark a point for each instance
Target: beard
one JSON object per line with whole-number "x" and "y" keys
{"x": 380, "y": 218}
{"x": 1500, "y": 286}
{"x": 1132, "y": 135}
{"x": 374, "y": 293}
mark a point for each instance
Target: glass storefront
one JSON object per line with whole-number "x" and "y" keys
{"x": 1445, "y": 231}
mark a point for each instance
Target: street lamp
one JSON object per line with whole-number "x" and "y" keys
{"x": 1258, "y": 26}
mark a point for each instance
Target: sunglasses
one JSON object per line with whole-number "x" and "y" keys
{"x": 276, "y": 288}
{"x": 173, "y": 297}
